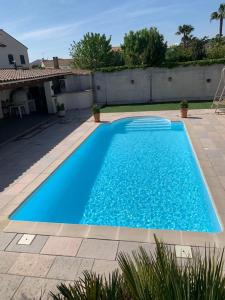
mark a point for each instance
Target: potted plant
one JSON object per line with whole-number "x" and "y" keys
{"x": 61, "y": 109}
{"x": 96, "y": 112}
{"x": 184, "y": 108}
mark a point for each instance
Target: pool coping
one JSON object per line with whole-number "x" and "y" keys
{"x": 108, "y": 232}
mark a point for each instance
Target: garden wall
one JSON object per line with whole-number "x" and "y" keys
{"x": 157, "y": 84}
{"x": 77, "y": 92}
{"x": 75, "y": 83}
{"x": 76, "y": 100}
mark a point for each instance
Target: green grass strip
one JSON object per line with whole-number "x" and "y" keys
{"x": 154, "y": 107}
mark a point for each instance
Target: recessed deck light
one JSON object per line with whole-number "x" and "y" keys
{"x": 26, "y": 239}
{"x": 183, "y": 251}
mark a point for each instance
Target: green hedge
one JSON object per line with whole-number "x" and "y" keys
{"x": 205, "y": 62}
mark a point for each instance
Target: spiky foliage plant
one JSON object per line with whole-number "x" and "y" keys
{"x": 157, "y": 275}
{"x": 93, "y": 286}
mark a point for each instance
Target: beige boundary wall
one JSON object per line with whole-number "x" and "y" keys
{"x": 157, "y": 84}
{"x": 76, "y": 100}
{"x": 77, "y": 83}
{"x": 78, "y": 92}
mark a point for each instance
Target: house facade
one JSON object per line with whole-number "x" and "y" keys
{"x": 26, "y": 91}
{"x": 13, "y": 54}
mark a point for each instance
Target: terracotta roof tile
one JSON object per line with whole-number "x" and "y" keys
{"x": 9, "y": 75}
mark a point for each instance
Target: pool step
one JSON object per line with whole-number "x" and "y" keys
{"x": 148, "y": 124}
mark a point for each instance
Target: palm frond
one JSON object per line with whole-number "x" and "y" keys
{"x": 214, "y": 16}
{"x": 221, "y": 9}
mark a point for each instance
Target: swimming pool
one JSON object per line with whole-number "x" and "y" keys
{"x": 134, "y": 172}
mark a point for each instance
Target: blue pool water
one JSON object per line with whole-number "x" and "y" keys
{"x": 135, "y": 172}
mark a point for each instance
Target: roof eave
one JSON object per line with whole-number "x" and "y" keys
{"x": 5, "y": 84}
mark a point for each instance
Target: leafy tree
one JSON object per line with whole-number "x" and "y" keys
{"x": 155, "y": 51}
{"x": 185, "y": 30}
{"x": 144, "y": 47}
{"x": 219, "y": 15}
{"x": 178, "y": 54}
{"x": 133, "y": 46}
{"x": 198, "y": 48}
{"x": 36, "y": 67}
{"x": 93, "y": 51}
{"x": 117, "y": 58}
{"x": 216, "y": 48}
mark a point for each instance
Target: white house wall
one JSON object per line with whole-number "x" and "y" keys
{"x": 13, "y": 47}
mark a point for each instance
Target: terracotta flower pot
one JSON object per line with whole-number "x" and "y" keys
{"x": 184, "y": 112}
{"x": 97, "y": 117}
{"x": 61, "y": 113}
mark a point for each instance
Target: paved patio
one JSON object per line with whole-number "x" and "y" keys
{"x": 60, "y": 252}
{"x": 31, "y": 146}
{"x": 14, "y": 126}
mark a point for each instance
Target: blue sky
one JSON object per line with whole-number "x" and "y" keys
{"x": 47, "y": 27}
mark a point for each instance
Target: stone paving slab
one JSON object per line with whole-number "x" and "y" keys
{"x": 207, "y": 251}
{"x": 32, "y": 265}
{"x": 5, "y": 239}
{"x": 222, "y": 181}
{"x": 5, "y": 199}
{"x": 62, "y": 246}
{"x": 35, "y": 247}
{"x": 105, "y": 267}
{"x": 8, "y": 285}
{"x": 70, "y": 231}
{"x": 69, "y": 268}
{"x": 15, "y": 189}
{"x": 99, "y": 249}
{"x": 129, "y": 247}
{"x": 34, "y": 288}
{"x": 7, "y": 260}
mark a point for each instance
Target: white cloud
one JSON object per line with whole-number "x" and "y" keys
{"x": 44, "y": 32}
{"x": 62, "y": 30}
{"x": 13, "y": 24}
{"x": 154, "y": 10}
{"x": 54, "y": 32}
{"x": 67, "y": 29}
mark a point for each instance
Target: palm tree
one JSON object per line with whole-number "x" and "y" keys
{"x": 185, "y": 30}
{"x": 219, "y": 15}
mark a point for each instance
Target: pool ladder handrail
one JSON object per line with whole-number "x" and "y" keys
{"x": 219, "y": 98}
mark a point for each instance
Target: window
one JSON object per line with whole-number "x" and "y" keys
{"x": 11, "y": 59}
{"x": 22, "y": 60}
